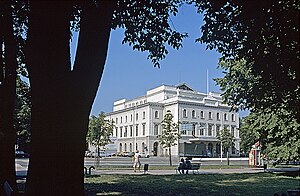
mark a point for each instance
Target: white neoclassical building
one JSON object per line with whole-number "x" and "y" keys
{"x": 201, "y": 116}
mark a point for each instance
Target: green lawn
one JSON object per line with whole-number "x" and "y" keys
{"x": 209, "y": 184}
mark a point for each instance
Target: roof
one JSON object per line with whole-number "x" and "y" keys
{"x": 184, "y": 86}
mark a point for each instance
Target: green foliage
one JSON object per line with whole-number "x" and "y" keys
{"x": 278, "y": 133}
{"x": 226, "y": 138}
{"x": 22, "y": 113}
{"x": 170, "y": 133}
{"x": 99, "y": 131}
{"x": 146, "y": 26}
{"x": 263, "y": 37}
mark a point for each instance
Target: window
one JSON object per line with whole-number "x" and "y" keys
{"x": 193, "y": 114}
{"x": 209, "y": 130}
{"x": 116, "y": 132}
{"x": 125, "y": 118}
{"x": 136, "y": 116}
{"x": 116, "y": 120}
{"x": 201, "y": 131}
{"x": 218, "y": 116}
{"x": 202, "y": 128}
{"x": 144, "y": 129}
{"x": 156, "y": 114}
{"x": 120, "y": 147}
{"x": 194, "y": 129}
{"x": 186, "y": 128}
{"x": 144, "y": 115}
{"x": 136, "y": 146}
{"x": 131, "y": 131}
{"x": 225, "y": 117}
{"x": 232, "y": 131}
{"x": 137, "y": 130}
{"x": 184, "y": 113}
{"x": 232, "y": 117}
{"x": 209, "y": 115}
{"x": 218, "y": 129}
{"x": 121, "y": 131}
{"x": 125, "y": 147}
{"x": 130, "y": 117}
{"x": 201, "y": 114}
{"x": 121, "y": 119}
{"x": 155, "y": 129}
{"x": 125, "y": 132}
{"x": 130, "y": 147}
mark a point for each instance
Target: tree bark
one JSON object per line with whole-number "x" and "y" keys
{"x": 7, "y": 97}
{"x": 170, "y": 156}
{"x": 62, "y": 98}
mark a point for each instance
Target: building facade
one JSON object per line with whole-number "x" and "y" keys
{"x": 201, "y": 117}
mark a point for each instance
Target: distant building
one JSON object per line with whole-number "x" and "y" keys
{"x": 201, "y": 116}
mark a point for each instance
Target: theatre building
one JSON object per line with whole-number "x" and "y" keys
{"x": 201, "y": 117}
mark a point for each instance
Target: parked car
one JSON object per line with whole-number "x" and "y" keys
{"x": 130, "y": 154}
{"x": 144, "y": 155}
{"x": 21, "y": 154}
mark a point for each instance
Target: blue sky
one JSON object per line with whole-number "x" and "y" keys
{"x": 129, "y": 74}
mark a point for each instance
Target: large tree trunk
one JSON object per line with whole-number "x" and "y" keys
{"x": 62, "y": 98}
{"x": 7, "y": 97}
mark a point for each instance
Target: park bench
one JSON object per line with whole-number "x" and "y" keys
{"x": 194, "y": 167}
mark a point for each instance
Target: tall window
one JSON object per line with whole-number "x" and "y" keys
{"x": 201, "y": 131}
{"x": 155, "y": 129}
{"x": 184, "y": 113}
{"x": 137, "y": 130}
{"x": 116, "y": 120}
{"x": 144, "y": 115}
{"x": 120, "y": 147}
{"x": 156, "y": 114}
{"x": 202, "y": 128}
{"x": 126, "y": 118}
{"x": 232, "y": 117}
{"x": 136, "y": 116}
{"x": 130, "y": 147}
{"x": 125, "y": 132}
{"x": 144, "y": 129}
{"x": 116, "y": 132}
{"x": 232, "y": 131}
{"x": 209, "y": 115}
{"x": 130, "y": 117}
{"x": 217, "y": 129}
{"x": 121, "y": 131}
{"x": 136, "y": 146}
{"x": 131, "y": 131}
{"x": 225, "y": 117}
{"x": 201, "y": 114}
{"x": 186, "y": 128}
{"x": 125, "y": 147}
{"x": 194, "y": 129}
{"x": 209, "y": 130}
{"x": 193, "y": 114}
{"x": 218, "y": 116}
{"x": 121, "y": 119}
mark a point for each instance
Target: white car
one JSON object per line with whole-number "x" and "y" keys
{"x": 144, "y": 155}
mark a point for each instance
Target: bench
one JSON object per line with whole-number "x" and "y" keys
{"x": 194, "y": 167}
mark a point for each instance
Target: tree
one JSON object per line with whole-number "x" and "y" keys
{"x": 170, "y": 133}
{"x": 8, "y": 66}
{"x": 99, "y": 131}
{"x": 264, "y": 38}
{"x": 227, "y": 141}
{"x": 277, "y": 132}
{"x": 62, "y": 95}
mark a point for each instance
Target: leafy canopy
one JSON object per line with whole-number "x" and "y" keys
{"x": 170, "y": 133}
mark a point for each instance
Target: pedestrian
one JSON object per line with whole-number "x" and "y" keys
{"x": 181, "y": 166}
{"x": 136, "y": 161}
{"x": 188, "y": 165}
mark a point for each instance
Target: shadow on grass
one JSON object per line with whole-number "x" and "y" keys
{"x": 218, "y": 184}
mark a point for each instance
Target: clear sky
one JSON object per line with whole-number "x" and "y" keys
{"x": 129, "y": 74}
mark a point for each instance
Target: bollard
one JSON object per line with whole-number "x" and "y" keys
{"x": 146, "y": 168}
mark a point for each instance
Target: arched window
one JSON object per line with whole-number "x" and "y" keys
{"x": 143, "y": 147}
{"x": 136, "y": 146}
{"x": 125, "y": 147}
{"x": 120, "y": 147}
{"x": 193, "y": 114}
{"x": 130, "y": 147}
{"x": 184, "y": 113}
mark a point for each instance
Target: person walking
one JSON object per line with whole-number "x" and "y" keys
{"x": 136, "y": 161}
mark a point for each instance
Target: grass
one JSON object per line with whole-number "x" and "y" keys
{"x": 209, "y": 184}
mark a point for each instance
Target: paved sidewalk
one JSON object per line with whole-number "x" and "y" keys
{"x": 173, "y": 172}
